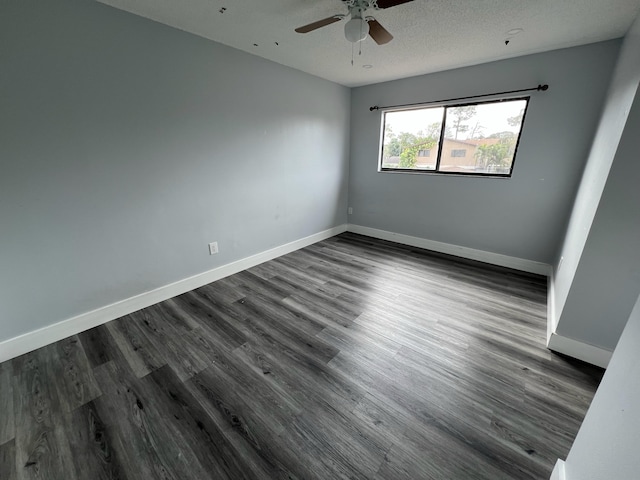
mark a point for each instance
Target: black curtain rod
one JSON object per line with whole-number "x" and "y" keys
{"x": 539, "y": 88}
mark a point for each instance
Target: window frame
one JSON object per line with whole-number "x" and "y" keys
{"x": 445, "y": 106}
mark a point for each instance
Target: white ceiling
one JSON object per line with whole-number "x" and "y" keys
{"x": 430, "y": 35}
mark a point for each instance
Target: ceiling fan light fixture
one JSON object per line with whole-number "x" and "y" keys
{"x": 356, "y": 29}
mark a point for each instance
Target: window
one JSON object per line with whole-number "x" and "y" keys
{"x": 474, "y": 139}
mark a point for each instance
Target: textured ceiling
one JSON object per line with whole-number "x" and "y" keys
{"x": 430, "y": 35}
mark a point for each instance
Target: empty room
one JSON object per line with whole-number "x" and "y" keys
{"x": 332, "y": 239}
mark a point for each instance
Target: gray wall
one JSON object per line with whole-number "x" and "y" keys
{"x": 524, "y": 216}
{"x": 607, "y": 279}
{"x": 597, "y": 282}
{"x": 127, "y": 146}
{"x": 606, "y": 446}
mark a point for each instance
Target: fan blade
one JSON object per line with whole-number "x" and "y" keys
{"x": 379, "y": 34}
{"x": 382, "y": 4}
{"x": 319, "y": 24}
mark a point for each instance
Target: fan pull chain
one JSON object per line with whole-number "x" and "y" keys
{"x": 360, "y": 42}
{"x": 352, "y": 54}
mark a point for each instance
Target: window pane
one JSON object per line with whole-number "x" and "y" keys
{"x": 411, "y": 138}
{"x": 482, "y": 138}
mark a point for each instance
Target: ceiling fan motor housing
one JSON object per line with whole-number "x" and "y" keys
{"x": 361, "y": 4}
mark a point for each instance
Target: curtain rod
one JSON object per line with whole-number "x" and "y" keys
{"x": 538, "y": 88}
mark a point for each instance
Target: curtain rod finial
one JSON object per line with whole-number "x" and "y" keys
{"x": 544, "y": 88}
{"x": 375, "y": 107}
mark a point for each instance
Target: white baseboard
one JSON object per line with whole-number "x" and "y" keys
{"x": 558, "y": 471}
{"x": 582, "y": 351}
{"x": 52, "y": 333}
{"x": 521, "y": 264}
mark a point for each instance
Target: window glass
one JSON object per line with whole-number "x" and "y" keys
{"x": 482, "y": 138}
{"x": 410, "y": 136}
{"x": 479, "y": 138}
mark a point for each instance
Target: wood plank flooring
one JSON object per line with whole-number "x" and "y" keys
{"x": 353, "y": 358}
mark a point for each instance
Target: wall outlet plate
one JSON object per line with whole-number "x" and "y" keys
{"x": 213, "y": 248}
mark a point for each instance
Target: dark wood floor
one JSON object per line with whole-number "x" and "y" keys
{"x": 352, "y": 358}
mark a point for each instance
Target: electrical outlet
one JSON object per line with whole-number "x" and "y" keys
{"x": 213, "y": 248}
{"x": 350, "y": 211}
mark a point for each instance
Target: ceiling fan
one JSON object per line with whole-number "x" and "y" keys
{"x": 359, "y": 25}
